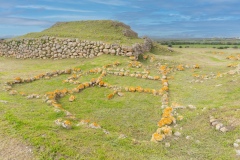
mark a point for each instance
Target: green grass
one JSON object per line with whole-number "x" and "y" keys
{"x": 205, "y": 46}
{"x": 135, "y": 114}
{"x": 98, "y": 30}
{"x": 129, "y": 81}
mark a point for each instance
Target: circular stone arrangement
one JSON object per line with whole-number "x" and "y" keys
{"x": 169, "y": 114}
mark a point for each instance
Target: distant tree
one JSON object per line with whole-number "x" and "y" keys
{"x": 235, "y": 47}
{"x": 180, "y": 46}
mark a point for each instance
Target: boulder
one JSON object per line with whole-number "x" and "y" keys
{"x": 129, "y": 54}
{"x": 112, "y": 51}
{"x": 106, "y": 51}
{"x": 107, "y": 46}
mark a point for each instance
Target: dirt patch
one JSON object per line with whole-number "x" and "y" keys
{"x": 14, "y": 149}
{"x": 233, "y": 121}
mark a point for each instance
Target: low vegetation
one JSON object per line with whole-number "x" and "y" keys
{"x": 108, "y": 122}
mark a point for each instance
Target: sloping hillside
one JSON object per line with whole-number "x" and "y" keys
{"x": 96, "y": 30}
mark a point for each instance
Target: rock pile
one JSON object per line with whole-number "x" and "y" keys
{"x": 218, "y": 125}
{"x": 236, "y": 145}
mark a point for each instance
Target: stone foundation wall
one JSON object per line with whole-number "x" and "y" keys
{"x": 61, "y": 48}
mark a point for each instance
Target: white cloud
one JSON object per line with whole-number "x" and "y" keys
{"x": 51, "y": 8}
{"x": 72, "y": 17}
{"x": 111, "y": 2}
{"x": 219, "y": 1}
{"x": 23, "y": 21}
{"x": 222, "y": 18}
{"x": 66, "y": 2}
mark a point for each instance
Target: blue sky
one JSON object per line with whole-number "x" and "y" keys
{"x": 155, "y": 18}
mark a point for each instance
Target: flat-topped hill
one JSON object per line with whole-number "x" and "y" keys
{"x": 95, "y": 30}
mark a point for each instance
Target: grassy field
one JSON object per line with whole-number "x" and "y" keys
{"x": 99, "y": 30}
{"x": 206, "y": 46}
{"x": 135, "y": 115}
{"x": 219, "y": 43}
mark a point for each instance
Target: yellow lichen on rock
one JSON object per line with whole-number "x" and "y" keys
{"x": 94, "y": 125}
{"x": 165, "y": 88}
{"x": 71, "y": 98}
{"x": 132, "y": 89}
{"x": 167, "y": 130}
{"x": 135, "y": 64}
{"x": 58, "y": 121}
{"x": 110, "y": 96}
{"x": 219, "y": 75}
{"x": 139, "y": 89}
{"x": 22, "y": 93}
{"x": 86, "y": 85}
{"x": 18, "y": 80}
{"x": 77, "y": 69}
{"x": 81, "y": 86}
{"x": 164, "y": 124}
{"x": 57, "y": 105}
{"x": 68, "y": 71}
{"x": 180, "y": 67}
{"x": 167, "y": 117}
{"x": 147, "y": 90}
{"x": 196, "y": 66}
{"x": 145, "y": 57}
{"x": 165, "y": 121}
{"x": 84, "y": 122}
{"x": 67, "y": 124}
{"x": 132, "y": 58}
{"x": 101, "y": 83}
{"x": 156, "y": 137}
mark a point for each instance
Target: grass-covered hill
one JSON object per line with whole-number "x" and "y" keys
{"x": 95, "y": 30}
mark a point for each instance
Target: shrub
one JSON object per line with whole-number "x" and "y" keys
{"x": 235, "y": 47}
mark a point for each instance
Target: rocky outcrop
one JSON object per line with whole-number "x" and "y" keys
{"x": 127, "y": 31}
{"x": 61, "y": 48}
{"x": 140, "y": 48}
{"x": 130, "y": 33}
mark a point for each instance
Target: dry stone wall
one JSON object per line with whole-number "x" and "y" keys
{"x": 61, "y": 48}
